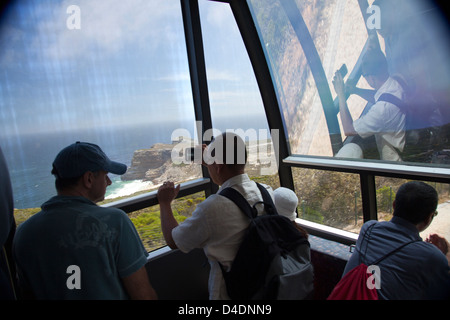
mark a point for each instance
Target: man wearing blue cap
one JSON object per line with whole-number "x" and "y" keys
{"x": 75, "y": 249}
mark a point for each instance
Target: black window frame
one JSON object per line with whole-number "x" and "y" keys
{"x": 367, "y": 171}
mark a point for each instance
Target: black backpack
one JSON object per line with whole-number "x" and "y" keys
{"x": 273, "y": 260}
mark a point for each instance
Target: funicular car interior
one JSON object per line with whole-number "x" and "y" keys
{"x": 328, "y": 267}
{"x": 176, "y": 275}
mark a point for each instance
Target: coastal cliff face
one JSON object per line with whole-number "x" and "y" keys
{"x": 155, "y": 164}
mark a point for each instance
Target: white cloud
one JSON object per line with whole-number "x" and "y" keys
{"x": 212, "y": 74}
{"x": 109, "y": 25}
{"x": 176, "y": 77}
{"x": 218, "y": 15}
{"x": 221, "y": 75}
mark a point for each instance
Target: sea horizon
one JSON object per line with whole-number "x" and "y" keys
{"x": 29, "y": 157}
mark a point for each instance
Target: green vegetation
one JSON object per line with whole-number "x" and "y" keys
{"x": 148, "y": 224}
{"x": 329, "y": 198}
{"x": 385, "y": 197}
{"x": 21, "y": 215}
{"x": 334, "y": 199}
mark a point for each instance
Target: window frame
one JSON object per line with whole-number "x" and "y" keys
{"x": 366, "y": 170}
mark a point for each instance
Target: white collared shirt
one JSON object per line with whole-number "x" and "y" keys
{"x": 386, "y": 121}
{"x": 218, "y": 226}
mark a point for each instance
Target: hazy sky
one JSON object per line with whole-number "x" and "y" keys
{"x": 126, "y": 64}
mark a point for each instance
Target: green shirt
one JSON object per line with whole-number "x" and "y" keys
{"x": 74, "y": 249}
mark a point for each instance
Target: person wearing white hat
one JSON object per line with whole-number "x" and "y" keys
{"x": 286, "y": 202}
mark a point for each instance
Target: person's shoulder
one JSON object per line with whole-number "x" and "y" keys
{"x": 394, "y": 87}
{"x": 109, "y": 215}
{"x": 366, "y": 229}
{"x": 217, "y": 202}
{"x": 213, "y": 202}
{"x": 368, "y": 225}
{"x": 29, "y": 223}
{"x": 248, "y": 186}
{"x": 110, "y": 211}
{"x": 431, "y": 253}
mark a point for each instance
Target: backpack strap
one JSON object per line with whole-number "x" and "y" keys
{"x": 367, "y": 237}
{"x": 387, "y": 97}
{"x": 394, "y": 251}
{"x": 365, "y": 241}
{"x": 240, "y": 201}
{"x": 269, "y": 206}
{"x": 243, "y": 204}
{"x": 407, "y": 86}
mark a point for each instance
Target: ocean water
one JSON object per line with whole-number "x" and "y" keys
{"x": 120, "y": 188}
{"x": 30, "y": 157}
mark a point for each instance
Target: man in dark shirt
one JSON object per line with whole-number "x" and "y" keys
{"x": 419, "y": 270}
{"x": 75, "y": 249}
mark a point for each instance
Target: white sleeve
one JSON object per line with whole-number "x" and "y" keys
{"x": 193, "y": 232}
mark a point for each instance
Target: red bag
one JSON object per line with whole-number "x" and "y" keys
{"x": 353, "y": 286}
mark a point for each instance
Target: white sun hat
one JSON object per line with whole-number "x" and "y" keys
{"x": 286, "y": 202}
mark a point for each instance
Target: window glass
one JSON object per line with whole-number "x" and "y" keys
{"x": 113, "y": 73}
{"x": 148, "y": 224}
{"x": 235, "y": 100}
{"x": 412, "y": 36}
{"x": 329, "y": 198}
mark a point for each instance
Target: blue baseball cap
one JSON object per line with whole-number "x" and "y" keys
{"x": 73, "y": 161}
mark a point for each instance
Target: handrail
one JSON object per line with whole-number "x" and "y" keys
{"x": 328, "y": 233}
{"x": 257, "y": 54}
{"x": 405, "y": 170}
{"x": 150, "y": 199}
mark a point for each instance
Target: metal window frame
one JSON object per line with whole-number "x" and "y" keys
{"x": 197, "y": 69}
{"x": 366, "y": 170}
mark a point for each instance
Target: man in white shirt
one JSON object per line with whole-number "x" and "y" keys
{"x": 385, "y": 121}
{"x": 217, "y": 225}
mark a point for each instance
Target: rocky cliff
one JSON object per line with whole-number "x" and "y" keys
{"x": 155, "y": 164}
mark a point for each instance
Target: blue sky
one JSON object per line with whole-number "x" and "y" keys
{"x": 126, "y": 65}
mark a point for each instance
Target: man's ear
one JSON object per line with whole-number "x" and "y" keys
{"x": 220, "y": 168}
{"x": 87, "y": 179}
{"x": 426, "y": 223}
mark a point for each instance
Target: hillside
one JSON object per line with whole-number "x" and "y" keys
{"x": 333, "y": 25}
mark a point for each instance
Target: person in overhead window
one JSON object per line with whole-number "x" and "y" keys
{"x": 383, "y": 120}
